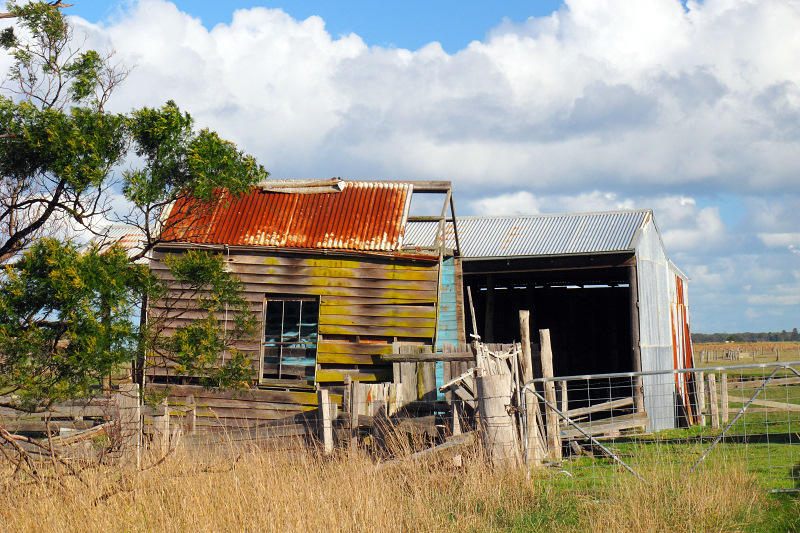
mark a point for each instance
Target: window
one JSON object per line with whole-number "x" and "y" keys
{"x": 290, "y": 338}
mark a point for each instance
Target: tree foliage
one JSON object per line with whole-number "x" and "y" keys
{"x": 66, "y": 314}
{"x": 177, "y": 161}
{"x": 767, "y": 336}
{"x": 212, "y": 295}
{"x": 65, "y": 319}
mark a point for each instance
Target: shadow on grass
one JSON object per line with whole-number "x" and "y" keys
{"x": 758, "y": 438}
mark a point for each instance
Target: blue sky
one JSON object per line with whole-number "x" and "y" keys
{"x": 687, "y": 108}
{"x": 409, "y": 24}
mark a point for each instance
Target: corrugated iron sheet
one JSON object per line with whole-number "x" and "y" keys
{"x": 129, "y": 237}
{"x": 524, "y": 236}
{"x": 363, "y": 216}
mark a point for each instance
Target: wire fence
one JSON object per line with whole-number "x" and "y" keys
{"x": 743, "y": 418}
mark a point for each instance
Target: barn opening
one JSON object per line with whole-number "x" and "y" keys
{"x": 584, "y": 301}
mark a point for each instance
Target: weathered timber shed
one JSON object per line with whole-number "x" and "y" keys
{"x": 326, "y": 272}
{"x": 600, "y": 282}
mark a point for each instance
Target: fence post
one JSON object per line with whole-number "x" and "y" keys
{"x": 350, "y": 403}
{"x": 326, "y": 425}
{"x": 494, "y": 393}
{"x": 534, "y": 444}
{"x": 191, "y": 412}
{"x": 161, "y": 428}
{"x": 553, "y": 437}
{"x": 712, "y": 399}
{"x": 723, "y": 384}
{"x": 130, "y": 423}
{"x": 701, "y": 397}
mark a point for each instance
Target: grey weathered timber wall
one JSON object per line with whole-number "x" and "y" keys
{"x": 366, "y": 303}
{"x": 235, "y": 408}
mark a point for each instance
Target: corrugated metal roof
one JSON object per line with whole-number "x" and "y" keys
{"x": 536, "y": 235}
{"x": 363, "y": 216}
{"x": 129, "y": 237}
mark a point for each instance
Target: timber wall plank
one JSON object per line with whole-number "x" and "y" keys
{"x": 366, "y": 299}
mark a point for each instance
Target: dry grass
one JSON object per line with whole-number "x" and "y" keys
{"x": 296, "y": 490}
{"x": 751, "y": 352}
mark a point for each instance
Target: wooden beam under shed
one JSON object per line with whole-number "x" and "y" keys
{"x": 426, "y": 357}
{"x": 432, "y": 186}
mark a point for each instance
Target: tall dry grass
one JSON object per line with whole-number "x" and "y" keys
{"x": 298, "y": 490}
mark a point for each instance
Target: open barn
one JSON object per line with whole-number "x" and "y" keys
{"x": 602, "y": 283}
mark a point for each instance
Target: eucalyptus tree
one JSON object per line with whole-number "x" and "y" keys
{"x": 67, "y": 312}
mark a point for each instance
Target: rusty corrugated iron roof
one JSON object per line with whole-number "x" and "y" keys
{"x": 364, "y": 216}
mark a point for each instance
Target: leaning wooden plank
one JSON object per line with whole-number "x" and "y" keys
{"x": 348, "y": 359}
{"x": 607, "y": 427}
{"x": 605, "y": 406}
{"x": 337, "y": 376}
{"x": 400, "y": 295}
{"x": 259, "y": 395}
{"x": 447, "y": 450}
{"x": 353, "y": 281}
{"x": 245, "y": 435}
{"x": 463, "y": 377}
{"x": 252, "y": 414}
{"x": 226, "y": 403}
{"x": 397, "y": 311}
{"x": 426, "y": 357}
{"x": 326, "y": 319}
{"x": 372, "y": 272}
{"x": 553, "y": 437}
{"x": 421, "y": 425}
{"x": 37, "y": 426}
{"x": 402, "y": 332}
{"x": 331, "y": 261}
{"x": 464, "y": 394}
{"x": 355, "y": 347}
{"x": 78, "y": 411}
{"x": 77, "y": 436}
{"x": 101, "y": 400}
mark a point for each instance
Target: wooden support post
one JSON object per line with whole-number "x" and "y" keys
{"x": 426, "y": 381}
{"x": 701, "y": 397}
{"x": 553, "y": 437}
{"x": 713, "y": 400}
{"x": 191, "y": 413}
{"x": 494, "y": 392}
{"x": 405, "y": 376}
{"x": 472, "y": 312}
{"x": 130, "y": 423}
{"x": 535, "y": 445}
{"x": 394, "y": 401}
{"x": 723, "y": 384}
{"x": 638, "y": 384}
{"x": 347, "y": 398}
{"x": 161, "y": 429}
{"x": 488, "y": 318}
{"x": 324, "y": 406}
{"x": 352, "y": 407}
{"x": 564, "y": 401}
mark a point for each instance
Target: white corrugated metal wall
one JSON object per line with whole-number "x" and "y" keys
{"x": 655, "y": 329}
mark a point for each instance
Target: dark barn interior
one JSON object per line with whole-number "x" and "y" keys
{"x": 585, "y": 302}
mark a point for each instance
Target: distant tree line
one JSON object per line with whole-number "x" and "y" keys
{"x": 782, "y": 336}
